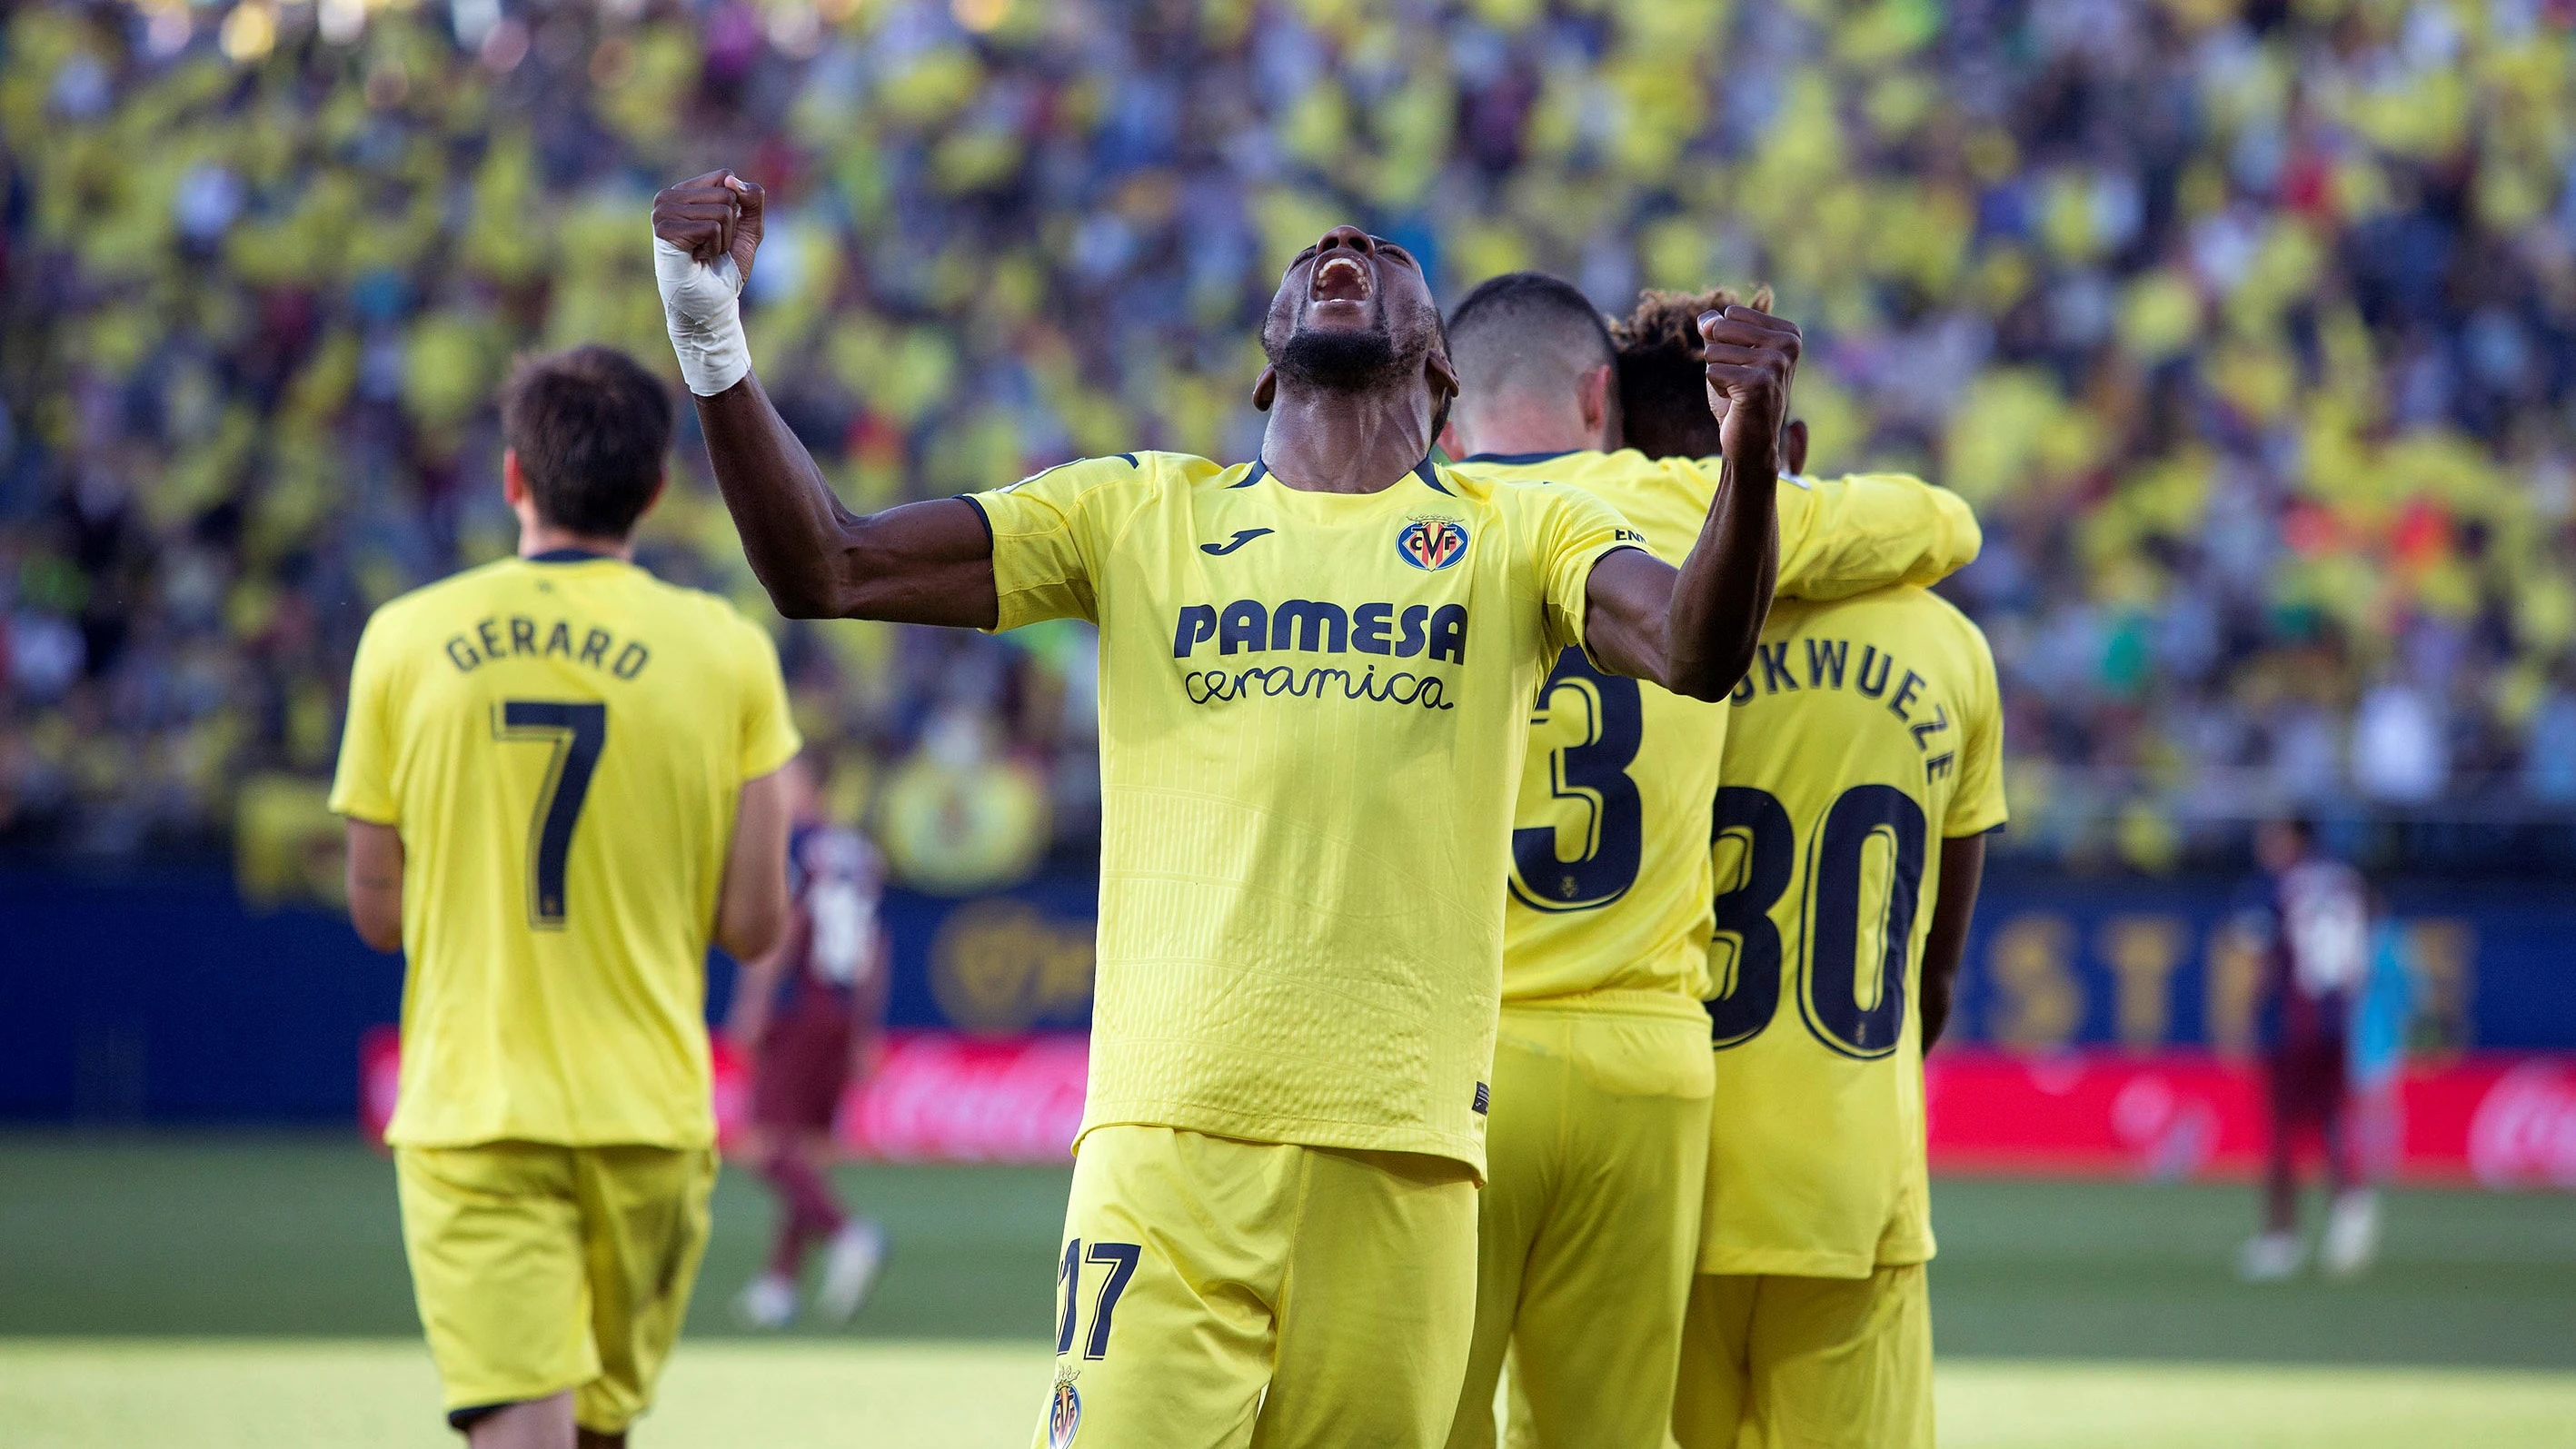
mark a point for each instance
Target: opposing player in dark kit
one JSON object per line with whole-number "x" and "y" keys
{"x": 808, "y": 1017}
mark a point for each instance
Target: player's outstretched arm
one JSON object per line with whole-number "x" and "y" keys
{"x": 1963, "y": 869}
{"x": 922, "y": 563}
{"x": 1693, "y": 630}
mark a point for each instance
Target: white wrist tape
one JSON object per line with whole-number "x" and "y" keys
{"x": 702, "y": 306}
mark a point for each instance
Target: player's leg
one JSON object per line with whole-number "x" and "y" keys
{"x": 2276, "y": 1252}
{"x": 1174, "y": 1247}
{"x": 494, "y": 1238}
{"x": 1523, "y": 1131}
{"x": 538, "y": 1424}
{"x": 1609, "y": 1272}
{"x": 853, "y": 1252}
{"x": 2352, "y": 1224}
{"x": 796, "y": 1085}
{"x": 2281, "y": 1167}
{"x": 1841, "y": 1363}
{"x": 1378, "y": 1304}
{"x": 1712, "y": 1385}
{"x": 644, "y": 1220}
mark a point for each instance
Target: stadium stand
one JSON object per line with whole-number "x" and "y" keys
{"x": 2250, "y": 330}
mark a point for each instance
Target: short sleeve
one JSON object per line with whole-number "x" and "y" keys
{"x": 362, "y": 788}
{"x": 1578, "y": 529}
{"x": 769, "y": 737}
{"x": 1846, "y": 536}
{"x": 1046, "y": 539}
{"x": 1977, "y": 805}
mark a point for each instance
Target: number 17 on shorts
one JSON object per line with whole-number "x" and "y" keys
{"x": 1112, "y": 1266}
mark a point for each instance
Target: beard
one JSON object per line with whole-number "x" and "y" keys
{"x": 1344, "y": 361}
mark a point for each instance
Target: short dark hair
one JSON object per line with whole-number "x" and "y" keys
{"x": 1515, "y": 328}
{"x": 590, "y": 427}
{"x": 1663, "y": 379}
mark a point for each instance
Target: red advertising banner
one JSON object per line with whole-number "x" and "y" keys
{"x": 2506, "y": 1121}
{"x": 937, "y": 1096}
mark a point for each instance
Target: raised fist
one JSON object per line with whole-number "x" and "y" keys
{"x": 705, "y": 231}
{"x": 712, "y": 217}
{"x": 1752, "y": 357}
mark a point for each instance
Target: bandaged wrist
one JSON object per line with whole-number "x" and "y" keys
{"x": 701, "y": 305}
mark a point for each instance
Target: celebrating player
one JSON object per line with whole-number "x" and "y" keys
{"x": 1316, "y": 670}
{"x": 560, "y": 780}
{"x": 808, "y": 1016}
{"x": 1589, "y": 1222}
{"x": 1859, "y": 784}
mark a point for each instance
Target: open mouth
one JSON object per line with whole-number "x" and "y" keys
{"x": 1340, "y": 278}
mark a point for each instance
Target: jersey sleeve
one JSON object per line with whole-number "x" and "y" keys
{"x": 1846, "y": 536}
{"x": 1047, "y": 539}
{"x": 1977, "y": 805}
{"x": 769, "y": 737}
{"x": 362, "y": 787}
{"x": 1578, "y": 530}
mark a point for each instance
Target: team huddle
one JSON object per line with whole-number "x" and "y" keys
{"x": 1528, "y": 882}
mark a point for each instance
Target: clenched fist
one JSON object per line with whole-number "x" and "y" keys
{"x": 705, "y": 232}
{"x": 711, "y": 217}
{"x": 1752, "y": 358}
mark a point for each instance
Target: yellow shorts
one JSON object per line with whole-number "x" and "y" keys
{"x": 1775, "y": 1362}
{"x": 1588, "y": 1226}
{"x": 541, "y": 1268}
{"x": 1217, "y": 1293}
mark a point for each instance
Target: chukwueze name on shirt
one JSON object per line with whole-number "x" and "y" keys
{"x": 1433, "y": 633}
{"x": 1774, "y": 673}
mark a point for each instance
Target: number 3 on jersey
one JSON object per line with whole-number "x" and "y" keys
{"x": 1593, "y": 774}
{"x": 578, "y": 732}
{"x": 1829, "y": 966}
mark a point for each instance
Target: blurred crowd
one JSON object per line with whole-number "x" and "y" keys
{"x": 2250, "y": 329}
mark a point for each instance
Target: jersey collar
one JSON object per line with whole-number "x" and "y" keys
{"x": 1513, "y": 460}
{"x": 1423, "y": 470}
{"x": 566, "y": 556}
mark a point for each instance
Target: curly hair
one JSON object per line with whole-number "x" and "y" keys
{"x": 1663, "y": 395}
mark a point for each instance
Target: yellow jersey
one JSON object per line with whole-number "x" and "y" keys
{"x": 1611, "y": 882}
{"x": 1312, "y": 713}
{"x": 1870, "y": 731}
{"x": 562, "y": 742}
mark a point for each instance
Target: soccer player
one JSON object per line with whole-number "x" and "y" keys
{"x": 1589, "y": 1221}
{"x": 808, "y": 1016}
{"x": 1316, "y": 669}
{"x": 560, "y": 778}
{"x": 2319, "y": 927}
{"x": 1861, "y": 777}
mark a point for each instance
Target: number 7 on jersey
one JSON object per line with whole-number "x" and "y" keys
{"x": 578, "y": 732}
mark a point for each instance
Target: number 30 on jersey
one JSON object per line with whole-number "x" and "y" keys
{"x": 1863, "y": 821}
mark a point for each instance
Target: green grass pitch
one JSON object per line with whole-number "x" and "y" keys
{"x": 223, "y": 1291}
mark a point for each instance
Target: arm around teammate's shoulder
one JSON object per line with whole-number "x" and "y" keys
{"x": 1863, "y": 531}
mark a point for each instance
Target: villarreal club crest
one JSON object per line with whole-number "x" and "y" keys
{"x": 1064, "y": 1411}
{"x": 1432, "y": 544}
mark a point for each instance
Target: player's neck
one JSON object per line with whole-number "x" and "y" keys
{"x": 1511, "y": 430}
{"x": 1333, "y": 442}
{"x": 537, "y": 539}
